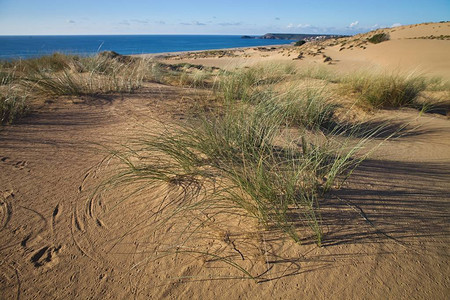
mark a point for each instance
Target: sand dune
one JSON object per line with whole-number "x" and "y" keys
{"x": 387, "y": 228}
{"x": 407, "y": 51}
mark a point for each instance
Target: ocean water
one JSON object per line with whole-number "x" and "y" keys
{"x": 34, "y": 46}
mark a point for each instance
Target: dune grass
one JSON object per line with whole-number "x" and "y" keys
{"x": 13, "y": 104}
{"x": 378, "y": 38}
{"x": 252, "y": 161}
{"x": 385, "y": 90}
{"x": 242, "y": 83}
{"x": 90, "y": 76}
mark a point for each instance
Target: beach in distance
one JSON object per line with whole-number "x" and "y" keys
{"x": 34, "y": 46}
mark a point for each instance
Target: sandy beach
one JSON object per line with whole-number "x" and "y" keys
{"x": 386, "y": 229}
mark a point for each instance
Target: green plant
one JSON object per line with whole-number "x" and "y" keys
{"x": 378, "y": 38}
{"x": 386, "y": 91}
{"x": 250, "y": 161}
{"x": 306, "y": 107}
{"x": 13, "y": 104}
{"x": 242, "y": 83}
{"x": 49, "y": 63}
{"x": 97, "y": 76}
{"x": 300, "y": 43}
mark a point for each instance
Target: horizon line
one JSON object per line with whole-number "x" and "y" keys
{"x": 205, "y": 34}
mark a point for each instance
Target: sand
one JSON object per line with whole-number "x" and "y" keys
{"x": 409, "y": 50}
{"x": 387, "y": 233}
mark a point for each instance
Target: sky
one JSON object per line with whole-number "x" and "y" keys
{"x": 251, "y": 17}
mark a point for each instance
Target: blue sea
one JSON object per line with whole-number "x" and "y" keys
{"x": 12, "y": 47}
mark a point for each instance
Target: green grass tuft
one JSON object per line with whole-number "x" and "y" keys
{"x": 386, "y": 91}
{"x": 13, "y": 105}
{"x": 378, "y": 38}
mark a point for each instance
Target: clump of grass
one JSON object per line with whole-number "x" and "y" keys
{"x": 60, "y": 84}
{"x": 90, "y": 76}
{"x": 306, "y": 106}
{"x": 49, "y": 63}
{"x": 378, "y": 38}
{"x": 7, "y": 76}
{"x": 242, "y": 83}
{"x": 438, "y": 84}
{"x": 319, "y": 72}
{"x": 254, "y": 166}
{"x": 386, "y": 91}
{"x": 13, "y": 104}
{"x": 195, "y": 79}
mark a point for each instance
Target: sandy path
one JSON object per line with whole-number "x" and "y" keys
{"x": 386, "y": 238}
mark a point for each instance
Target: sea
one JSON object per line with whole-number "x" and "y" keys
{"x": 23, "y": 47}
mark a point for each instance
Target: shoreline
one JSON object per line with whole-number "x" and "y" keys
{"x": 175, "y": 53}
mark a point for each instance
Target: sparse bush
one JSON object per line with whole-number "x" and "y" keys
{"x": 242, "y": 83}
{"x": 93, "y": 75}
{"x": 12, "y": 105}
{"x": 253, "y": 165}
{"x": 318, "y": 72}
{"x": 6, "y": 76}
{"x": 386, "y": 91}
{"x": 378, "y": 38}
{"x": 298, "y": 106}
{"x": 49, "y": 63}
{"x": 300, "y": 43}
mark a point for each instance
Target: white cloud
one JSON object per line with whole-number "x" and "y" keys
{"x": 299, "y": 26}
{"x": 139, "y": 21}
{"x": 396, "y": 25}
{"x": 230, "y": 24}
{"x": 353, "y": 24}
{"x": 196, "y": 23}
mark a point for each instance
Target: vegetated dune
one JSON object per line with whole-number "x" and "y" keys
{"x": 420, "y": 48}
{"x": 412, "y": 48}
{"x": 67, "y": 231}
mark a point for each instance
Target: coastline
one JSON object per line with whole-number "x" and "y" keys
{"x": 23, "y": 47}
{"x": 162, "y": 55}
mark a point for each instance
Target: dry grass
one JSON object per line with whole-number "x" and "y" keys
{"x": 385, "y": 90}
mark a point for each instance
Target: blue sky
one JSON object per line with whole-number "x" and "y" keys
{"x": 30, "y": 17}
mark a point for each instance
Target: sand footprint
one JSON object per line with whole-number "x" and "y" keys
{"x": 46, "y": 256}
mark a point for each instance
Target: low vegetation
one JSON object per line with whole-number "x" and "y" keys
{"x": 386, "y": 91}
{"x": 13, "y": 105}
{"x": 245, "y": 159}
{"x": 270, "y": 152}
{"x": 378, "y": 38}
{"x": 63, "y": 75}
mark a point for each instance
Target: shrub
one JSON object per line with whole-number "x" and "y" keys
{"x": 306, "y": 107}
{"x": 13, "y": 104}
{"x": 49, "y": 63}
{"x": 378, "y": 38}
{"x": 386, "y": 91}
{"x": 242, "y": 83}
{"x": 91, "y": 75}
{"x": 300, "y": 43}
{"x": 249, "y": 160}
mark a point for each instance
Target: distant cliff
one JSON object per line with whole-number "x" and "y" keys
{"x": 293, "y": 36}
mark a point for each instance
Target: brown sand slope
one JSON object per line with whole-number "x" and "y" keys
{"x": 386, "y": 238}
{"x": 411, "y": 48}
